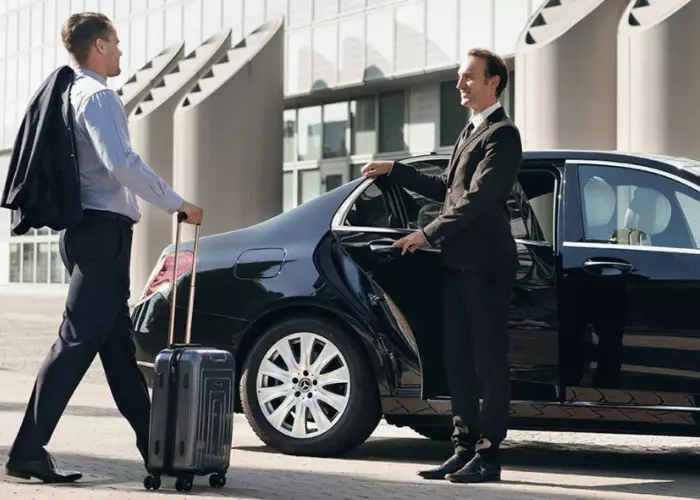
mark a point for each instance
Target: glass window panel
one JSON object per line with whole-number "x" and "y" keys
{"x": 335, "y": 126}
{"x": 42, "y": 262}
{"x": 11, "y": 81}
{"x": 2, "y": 84}
{"x": 43, "y": 231}
{"x": 333, "y": 181}
{"x": 309, "y": 184}
{"x": 211, "y": 18}
{"x": 12, "y": 32}
{"x": 288, "y": 190}
{"x": 453, "y": 116}
{"x": 56, "y": 264}
{"x": 121, "y": 10}
{"x": 155, "y": 34}
{"x": 23, "y": 78}
{"x": 50, "y": 22}
{"x": 356, "y": 170}
{"x": 309, "y": 133}
{"x": 3, "y": 30}
{"x": 138, "y": 43}
{"x": 35, "y": 69}
{"x": 173, "y": 25}
{"x": 299, "y": 12}
{"x": 24, "y": 29}
{"x": 233, "y": 18}
{"x": 276, "y": 8}
{"x": 48, "y": 60}
{"x": 290, "y": 131}
{"x": 374, "y": 3}
{"x": 76, "y": 6}
{"x": 351, "y": 5}
{"x": 92, "y": 6}
{"x": 364, "y": 125}
{"x": 37, "y": 29}
{"x": 254, "y": 15}
{"x": 28, "y": 263}
{"x": 154, "y": 3}
{"x": 325, "y": 9}
{"x": 66, "y": 276}
{"x": 193, "y": 26}
{"x": 391, "y": 121}
{"x": 137, "y": 6}
{"x": 107, "y": 8}
{"x": 15, "y": 264}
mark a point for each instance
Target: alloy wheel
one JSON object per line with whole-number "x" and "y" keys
{"x": 303, "y": 385}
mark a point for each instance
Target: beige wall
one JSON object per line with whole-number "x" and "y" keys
{"x": 659, "y": 73}
{"x": 151, "y": 129}
{"x": 565, "y": 67}
{"x": 228, "y": 136}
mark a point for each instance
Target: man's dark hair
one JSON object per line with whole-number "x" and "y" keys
{"x": 495, "y": 66}
{"x": 81, "y": 30}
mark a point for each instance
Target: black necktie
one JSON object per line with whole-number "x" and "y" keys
{"x": 467, "y": 131}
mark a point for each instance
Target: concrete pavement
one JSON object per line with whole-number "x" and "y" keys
{"x": 93, "y": 437}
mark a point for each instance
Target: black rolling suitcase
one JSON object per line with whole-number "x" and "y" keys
{"x": 192, "y": 410}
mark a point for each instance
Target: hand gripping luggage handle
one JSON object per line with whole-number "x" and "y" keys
{"x": 181, "y": 216}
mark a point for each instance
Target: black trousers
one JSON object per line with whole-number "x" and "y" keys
{"x": 476, "y": 354}
{"x": 97, "y": 254}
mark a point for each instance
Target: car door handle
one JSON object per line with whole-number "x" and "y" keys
{"x": 385, "y": 245}
{"x": 607, "y": 267}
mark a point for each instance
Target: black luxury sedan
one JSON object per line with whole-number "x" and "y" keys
{"x": 333, "y": 329}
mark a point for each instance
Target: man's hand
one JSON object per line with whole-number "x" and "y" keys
{"x": 377, "y": 168}
{"x": 411, "y": 242}
{"x": 194, "y": 213}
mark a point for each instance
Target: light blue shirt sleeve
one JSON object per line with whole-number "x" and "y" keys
{"x": 105, "y": 122}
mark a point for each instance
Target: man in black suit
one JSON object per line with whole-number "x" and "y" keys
{"x": 480, "y": 260}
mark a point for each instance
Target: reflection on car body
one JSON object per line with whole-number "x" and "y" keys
{"x": 329, "y": 338}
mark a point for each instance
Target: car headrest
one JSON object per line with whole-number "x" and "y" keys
{"x": 599, "y": 202}
{"x": 648, "y": 211}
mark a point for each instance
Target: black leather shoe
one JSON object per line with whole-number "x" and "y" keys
{"x": 478, "y": 470}
{"x": 452, "y": 464}
{"x": 44, "y": 469}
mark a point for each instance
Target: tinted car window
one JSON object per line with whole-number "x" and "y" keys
{"x": 420, "y": 210}
{"x": 372, "y": 209}
{"x": 625, "y": 206}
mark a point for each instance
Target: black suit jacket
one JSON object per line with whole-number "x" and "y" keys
{"x": 473, "y": 229}
{"x": 43, "y": 183}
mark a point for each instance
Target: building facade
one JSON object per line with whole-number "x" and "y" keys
{"x": 366, "y": 79}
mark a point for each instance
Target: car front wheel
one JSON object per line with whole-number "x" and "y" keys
{"x": 307, "y": 389}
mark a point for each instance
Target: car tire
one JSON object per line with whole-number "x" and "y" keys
{"x": 351, "y": 428}
{"x": 434, "y": 432}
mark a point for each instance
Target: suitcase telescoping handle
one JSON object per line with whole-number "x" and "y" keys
{"x": 181, "y": 216}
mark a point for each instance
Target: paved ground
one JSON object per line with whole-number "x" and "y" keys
{"x": 95, "y": 439}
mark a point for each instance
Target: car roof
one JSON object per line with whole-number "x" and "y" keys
{"x": 667, "y": 163}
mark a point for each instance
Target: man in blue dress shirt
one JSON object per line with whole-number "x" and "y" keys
{"x": 97, "y": 254}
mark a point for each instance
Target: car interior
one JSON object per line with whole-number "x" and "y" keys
{"x": 618, "y": 212}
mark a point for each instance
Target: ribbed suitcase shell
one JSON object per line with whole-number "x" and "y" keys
{"x": 192, "y": 411}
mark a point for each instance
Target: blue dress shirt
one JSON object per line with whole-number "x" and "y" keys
{"x": 112, "y": 175}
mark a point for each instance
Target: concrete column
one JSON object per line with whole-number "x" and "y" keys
{"x": 151, "y": 130}
{"x": 138, "y": 85}
{"x": 228, "y": 135}
{"x": 659, "y": 94}
{"x": 566, "y": 74}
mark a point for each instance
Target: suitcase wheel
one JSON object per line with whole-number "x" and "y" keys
{"x": 151, "y": 482}
{"x": 184, "y": 483}
{"x": 217, "y": 480}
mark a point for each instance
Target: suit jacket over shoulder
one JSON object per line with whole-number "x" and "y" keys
{"x": 43, "y": 182}
{"x": 473, "y": 229}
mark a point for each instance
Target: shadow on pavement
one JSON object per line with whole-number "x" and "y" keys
{"x": 71, "y": 409}
{"x": 656, "y": 472}
{"x": 263, "y": 484}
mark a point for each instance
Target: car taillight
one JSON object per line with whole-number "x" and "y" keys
{"x": 163, "y": 273}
